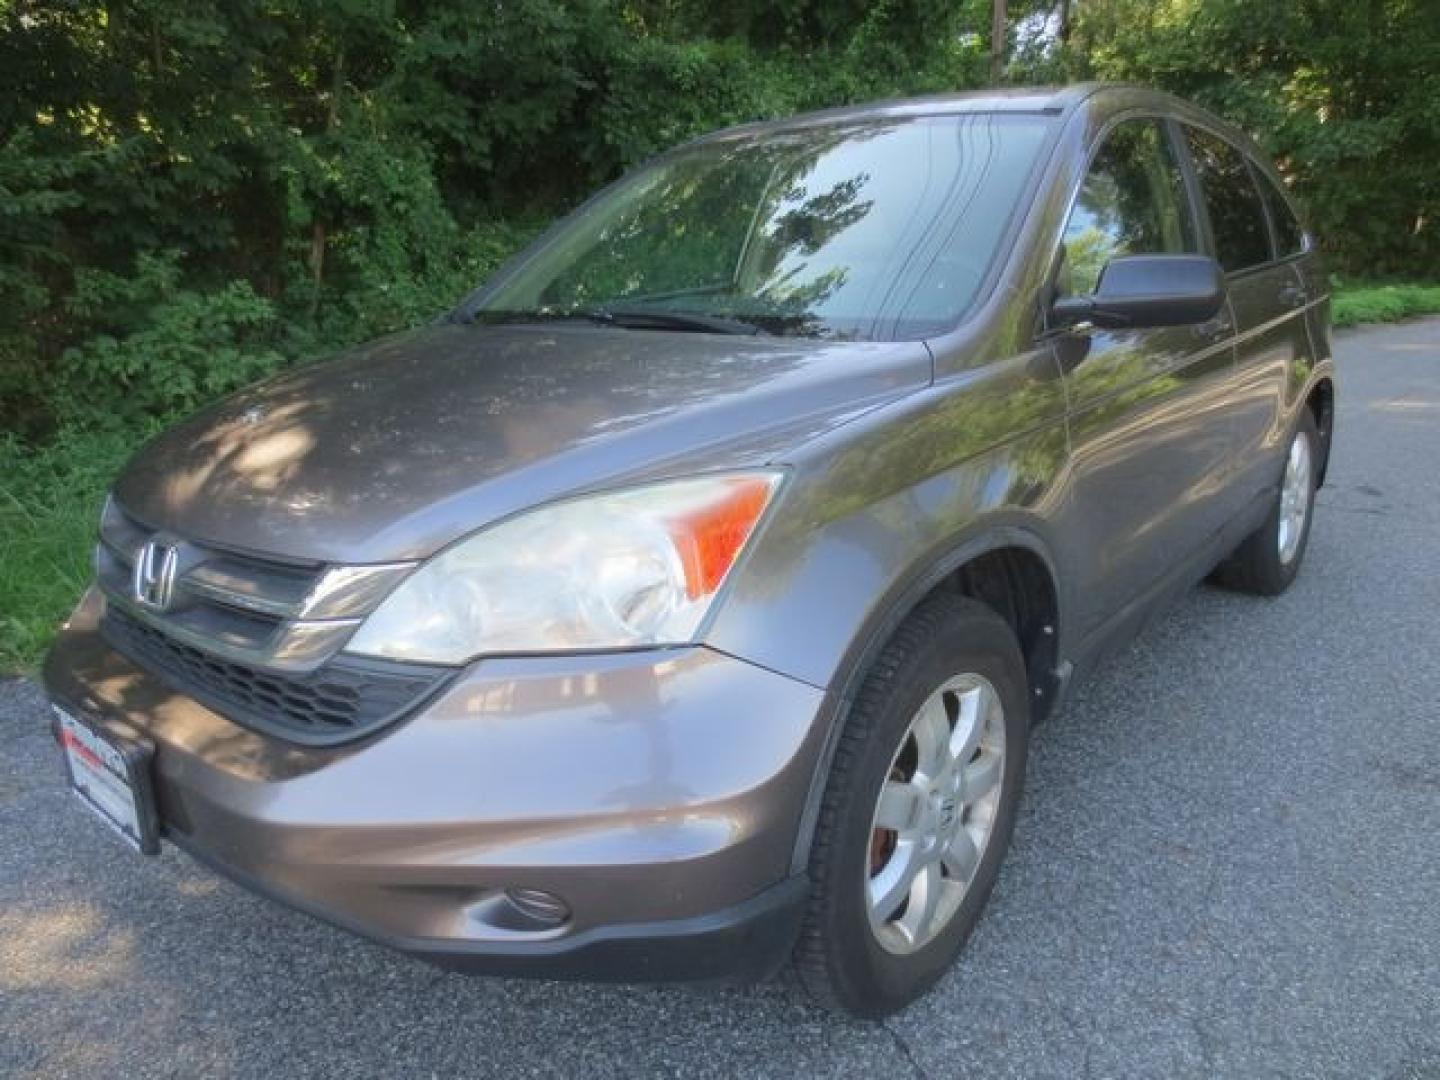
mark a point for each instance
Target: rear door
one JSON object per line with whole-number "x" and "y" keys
{"x": 1267, "y": 297}
{"x": 1150, "y": 439}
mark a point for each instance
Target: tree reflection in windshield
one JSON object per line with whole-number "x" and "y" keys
{"x": 878, "y": 230}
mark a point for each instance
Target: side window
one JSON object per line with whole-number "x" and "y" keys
{"x": 1289, "y": 238}
{"x": 1131, "y": 203}
{"x": 1236, "y": 214}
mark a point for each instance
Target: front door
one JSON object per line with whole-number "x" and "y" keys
{"x": 1150, "y": 436}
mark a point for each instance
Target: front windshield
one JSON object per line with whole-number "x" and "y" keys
{"x": 876, "y": 231}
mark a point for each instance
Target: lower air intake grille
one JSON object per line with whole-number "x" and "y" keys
{"x": 341, "y": 701}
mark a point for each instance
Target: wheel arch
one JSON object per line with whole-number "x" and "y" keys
{"x": 1320, "y": 400}
{"x": 1006, "y": 566}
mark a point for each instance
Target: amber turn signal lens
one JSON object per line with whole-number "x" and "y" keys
{"x": 709, "y": 537}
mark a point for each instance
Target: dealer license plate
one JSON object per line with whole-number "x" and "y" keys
{"x": 112, "y": 777}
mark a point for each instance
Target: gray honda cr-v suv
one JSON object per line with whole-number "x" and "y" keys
{"x": 682, "y": 602}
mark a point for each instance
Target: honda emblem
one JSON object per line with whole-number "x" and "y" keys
{"x": 153, "y": 585}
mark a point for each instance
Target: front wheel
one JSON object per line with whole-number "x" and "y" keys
{"x": 918, "y": 809}
{"x": 1269, "y": 558}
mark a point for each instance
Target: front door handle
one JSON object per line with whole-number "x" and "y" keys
{"x": 1213, "y": 329}
{"x": 1294, "y": 296}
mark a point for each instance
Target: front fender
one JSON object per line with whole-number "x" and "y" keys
{"x": 879, "y": 512}
{"x": 915, "y": 491}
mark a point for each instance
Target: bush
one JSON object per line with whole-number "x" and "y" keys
{"x": 49, "y": 505}
{"x": 162, "y": 350}
{"x": 1356, "y": 304}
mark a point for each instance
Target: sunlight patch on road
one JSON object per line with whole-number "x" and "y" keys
{"x": 198, "y": 886}
{"x": 67, "y": 948}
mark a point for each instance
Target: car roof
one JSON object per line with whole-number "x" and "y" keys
{"x": 1010, "y": 99}
{"x": 1100, "y": 98}
{"x": 1050, "y": 100}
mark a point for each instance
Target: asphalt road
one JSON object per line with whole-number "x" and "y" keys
{"x": 1228, "y": 864}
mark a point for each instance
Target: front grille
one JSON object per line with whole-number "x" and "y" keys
{"x": 343, "y": 700}
{"x": 244, "y": 608}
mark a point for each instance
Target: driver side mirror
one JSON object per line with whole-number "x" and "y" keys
{"x": 1137, "y": 291}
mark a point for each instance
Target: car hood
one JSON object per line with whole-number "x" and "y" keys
{"x": 393, "y": 450}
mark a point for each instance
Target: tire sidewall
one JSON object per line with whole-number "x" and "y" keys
{"x": 969, "y": 645}
{"x": 1286, "y": 572}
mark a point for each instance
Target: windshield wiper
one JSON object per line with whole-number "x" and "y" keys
{"x": 657, "y": 319}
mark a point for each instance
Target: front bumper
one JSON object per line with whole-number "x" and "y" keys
{"x": 658, "y": 794}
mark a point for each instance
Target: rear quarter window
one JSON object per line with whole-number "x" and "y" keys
{"x": 1289, "y": 237}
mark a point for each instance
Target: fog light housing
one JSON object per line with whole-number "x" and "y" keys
{"x": 519, "y": 912}
{"x": 539, "y": 906}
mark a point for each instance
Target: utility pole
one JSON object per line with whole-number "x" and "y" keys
{"x": 997, "y": 41}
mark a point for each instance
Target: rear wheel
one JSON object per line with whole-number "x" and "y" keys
{"x": 918, "y": 809}
{"x": 1269, "y": 559}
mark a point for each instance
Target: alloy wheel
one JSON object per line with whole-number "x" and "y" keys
{"x": 1294, "y": 498}
{"x": 935, "y": 813}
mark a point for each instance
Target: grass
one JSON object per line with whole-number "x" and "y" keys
{"x": 50, "y": 497}
{"x": 49, "y": 506}
{"x": 1353, "y": 305}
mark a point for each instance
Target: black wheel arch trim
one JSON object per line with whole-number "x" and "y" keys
{"x": 1323, "y": 374}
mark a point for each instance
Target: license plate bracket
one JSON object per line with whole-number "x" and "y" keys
{"x": 111, "y": 775}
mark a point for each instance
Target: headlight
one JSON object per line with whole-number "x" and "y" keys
{"x": 613, "y": 570}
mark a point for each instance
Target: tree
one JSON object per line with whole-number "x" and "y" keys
{"x": 1343, "y": 94}
{"x": 997, "y": 41}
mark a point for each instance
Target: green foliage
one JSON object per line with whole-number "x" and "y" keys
{"x": 159, "y": 349}
{"x": 194, "y": 192}
{"x": 1343, "y": 94}
{"x": 190, "y": 191}
{"x": 49, "y": 503}
{"x": 1357, "y": 304}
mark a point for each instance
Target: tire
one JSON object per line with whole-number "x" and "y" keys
{"x": 1267, "y": 561}
{"x": 949, "y": 650}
